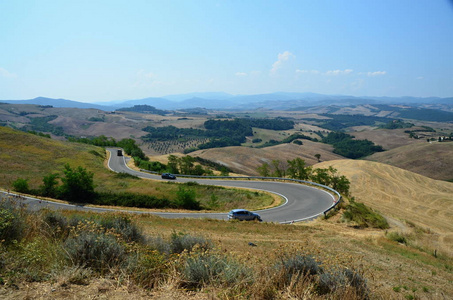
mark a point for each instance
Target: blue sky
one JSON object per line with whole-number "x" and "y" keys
{"x": 112, "y": 50}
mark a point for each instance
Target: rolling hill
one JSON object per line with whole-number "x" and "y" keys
{"x": 434, "y": 160}
{"x": 402, "y": 195}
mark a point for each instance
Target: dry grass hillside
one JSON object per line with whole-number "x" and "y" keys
{"x": 434, "y": 160}
{"x": 247, "y": 160}
{"x": 387, "y": 138}
{"x": 403, "y": 196}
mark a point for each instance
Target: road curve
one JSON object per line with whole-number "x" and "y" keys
{"x": 302, "y": 202}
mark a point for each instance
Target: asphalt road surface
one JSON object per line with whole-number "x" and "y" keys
{"x": 302, "y": 202}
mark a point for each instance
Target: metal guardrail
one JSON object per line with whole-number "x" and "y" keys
{"x": 335, "y": 203}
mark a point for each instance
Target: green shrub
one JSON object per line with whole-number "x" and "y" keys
{"x": 186, "y": 198}
{"x": 363, "y": 216}
{"x": 131, "y": 200}
{"x": 95, "y": 250}
{"x": 21, "y": 185}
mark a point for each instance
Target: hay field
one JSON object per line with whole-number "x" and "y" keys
{"x": 434, "y": 160}
{"x": 403, "y": 196}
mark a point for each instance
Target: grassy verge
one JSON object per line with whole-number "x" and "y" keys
{"x": 32, "y": 157}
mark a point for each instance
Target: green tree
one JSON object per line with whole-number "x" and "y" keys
{"x": 264, "y": 170}
{"x": 78, "y": 185}
{"x": 320, "y": 176}
{"x": 297, "y": 169}
{"x": 21, "y": 185}
{"x": 49, "y": 187}
{"x": 186, "y": 164}
{"x": 318, "y": 156}
{"x": 341, "y": 184}
{"x": 186, "y": 198}
{"x": 224, "y": 171}
{"x": 172, "y": 164}
{"x": 279, "y": 170}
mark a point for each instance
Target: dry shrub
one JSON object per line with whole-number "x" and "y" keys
{"x": 90, "y": 246}
{"x": 210, "y": 268}
{"x": 147, "y": 268}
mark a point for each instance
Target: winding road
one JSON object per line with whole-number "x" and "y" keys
{"x": 302, "y": 202}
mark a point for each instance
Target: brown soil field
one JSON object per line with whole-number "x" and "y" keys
{"x": 434, "y": 160}
{"x": 404, "y": 196}
{"x": 247, "y": 160}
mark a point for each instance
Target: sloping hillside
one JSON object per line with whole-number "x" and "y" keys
{"x": 387, "y": 138}
{"x": 24, "y": 155}
{"x": 247, "y": 160}
{"x": 434, "y": 160}
{"x": 403, "y": 195}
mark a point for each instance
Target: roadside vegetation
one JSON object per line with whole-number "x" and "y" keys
{"x": 75, "y": 248}
{"x": 87, "y": 253}
{"x": 298, "y": 169}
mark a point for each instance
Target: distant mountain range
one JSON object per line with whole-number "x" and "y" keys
{"x": 224, "y": 101}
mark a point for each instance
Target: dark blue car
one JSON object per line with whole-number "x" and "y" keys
{"x": 168, "y": 176}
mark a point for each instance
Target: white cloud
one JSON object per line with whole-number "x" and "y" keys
{"x": 282, "y": 57}
{"x": 420, "y": 78}
{"x": 377, "y": 73}
{"x": 241, "y": 74}
{"x": 307, "y": 71}
{"x": 5, "y": 73}
{"x": 339, "y": 72}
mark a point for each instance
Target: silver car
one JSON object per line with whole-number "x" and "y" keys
{"x": 243, "y": 214}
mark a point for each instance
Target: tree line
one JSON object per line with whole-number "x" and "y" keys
{"x": 129, "y": 145}
{"x": 298, "y": 169}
